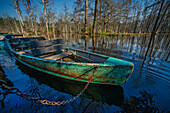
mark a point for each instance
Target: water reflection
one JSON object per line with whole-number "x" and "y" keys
{"x": 137, "y": 45}
{"x": 144, "y": 104}
{"x": 152, "y": 67}
{"x": 112, "y": 95}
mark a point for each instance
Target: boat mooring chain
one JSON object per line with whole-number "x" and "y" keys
{"x": 16, "y": 91}
{"x": 19, "y": 93}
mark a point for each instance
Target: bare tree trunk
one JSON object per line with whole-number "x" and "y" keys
{"x": 136, "y": 23}
{"x": 118, "y": 29}
{"x": 52, "y": 17}
{"x": 94, "y": 43}
{"x": 45, "y": 15}
{"x": 6, "y": 23}
{"x": 100, "y": 13}
{"x": 48, "y": 18}
{"x": 70, "y": 28}
{"x": 32, "y": 23}
{"x": 104, "y": 23}
{"x": 95, "y": 16}
{"x": 85, "y": 25}
{"x": 13, "y": 31}
{"x": 35, "y": 25}
{"x": 16, "y": 27}
{"x": 16, "y": 6}
{"x": 154, "y": 30}
{"x": 18, "y": 10}
{"x": 22, "y": 30}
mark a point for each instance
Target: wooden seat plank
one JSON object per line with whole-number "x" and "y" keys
{"x": 19, "y": 46}
{"x": 28, "y": 39}
{"x": 46, "y": 43}
{"x": 45, "y": 50}
{"x": 59, "y": 56}
{"x": 24, "y": 51}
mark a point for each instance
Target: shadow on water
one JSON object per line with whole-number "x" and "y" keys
{"x": 112, "y": 95}
{"x": 3, "y": 80}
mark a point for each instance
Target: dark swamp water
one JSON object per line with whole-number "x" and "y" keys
{"x": 147, "y": 89}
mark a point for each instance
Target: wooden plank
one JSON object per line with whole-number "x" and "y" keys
{"x": 85, "y": 59}
{"x": 59, "y": 56}
{"x": 31, "y": 39}
{"x": 28, "y": 39}
{"x": 21, "y": 52}
{"x": 13, "y": 40}
{"x": 44, "y": 50}
{"x": 54, "y": 57}
{"x": 45, "y": 43}
{"x": 41, "y": 51}
{"x": 68, "y": 59}
{"x": 38, "y": 44}
{"x": 47, "y": 55}
{"x": 19, "y": 46}
{"x": 25, "y": 51}
{"x": 92, "y": 57}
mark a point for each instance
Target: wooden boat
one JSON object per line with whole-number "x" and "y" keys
{"x": 51, "y": 57}
{"x": 108, "y": 94}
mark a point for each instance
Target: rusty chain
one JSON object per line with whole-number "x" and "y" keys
{"x": 16, "y": 91}
{"x": 67, "y": 101}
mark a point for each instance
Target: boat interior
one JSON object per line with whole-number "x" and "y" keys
{"x": 53, "y": 50}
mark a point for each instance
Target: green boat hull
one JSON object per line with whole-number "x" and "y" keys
{"x": 1, "y": 44}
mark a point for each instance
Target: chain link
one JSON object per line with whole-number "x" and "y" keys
{"x": 46, "y": 102}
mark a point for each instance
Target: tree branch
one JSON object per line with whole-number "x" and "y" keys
{"x": 163, "y": 16}
{"x": 152, "y": 5}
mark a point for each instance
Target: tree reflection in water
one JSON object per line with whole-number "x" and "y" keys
{"x": 144, "y": 103}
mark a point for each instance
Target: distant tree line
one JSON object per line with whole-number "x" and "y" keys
{"x": 89, "y": 16}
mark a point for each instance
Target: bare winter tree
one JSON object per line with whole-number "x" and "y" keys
{"x": 30, "y": 13}
{"x": 95, "y": 16}
{"x": 86, "y": 6}
{"x": 52, "y": 18}
{"x": 44, "y": 2}
{"x": 18, "y": 11}
{"x": 65, "y": 18}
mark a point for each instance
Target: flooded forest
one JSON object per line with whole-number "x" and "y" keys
{"x": 137, "y": 31}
